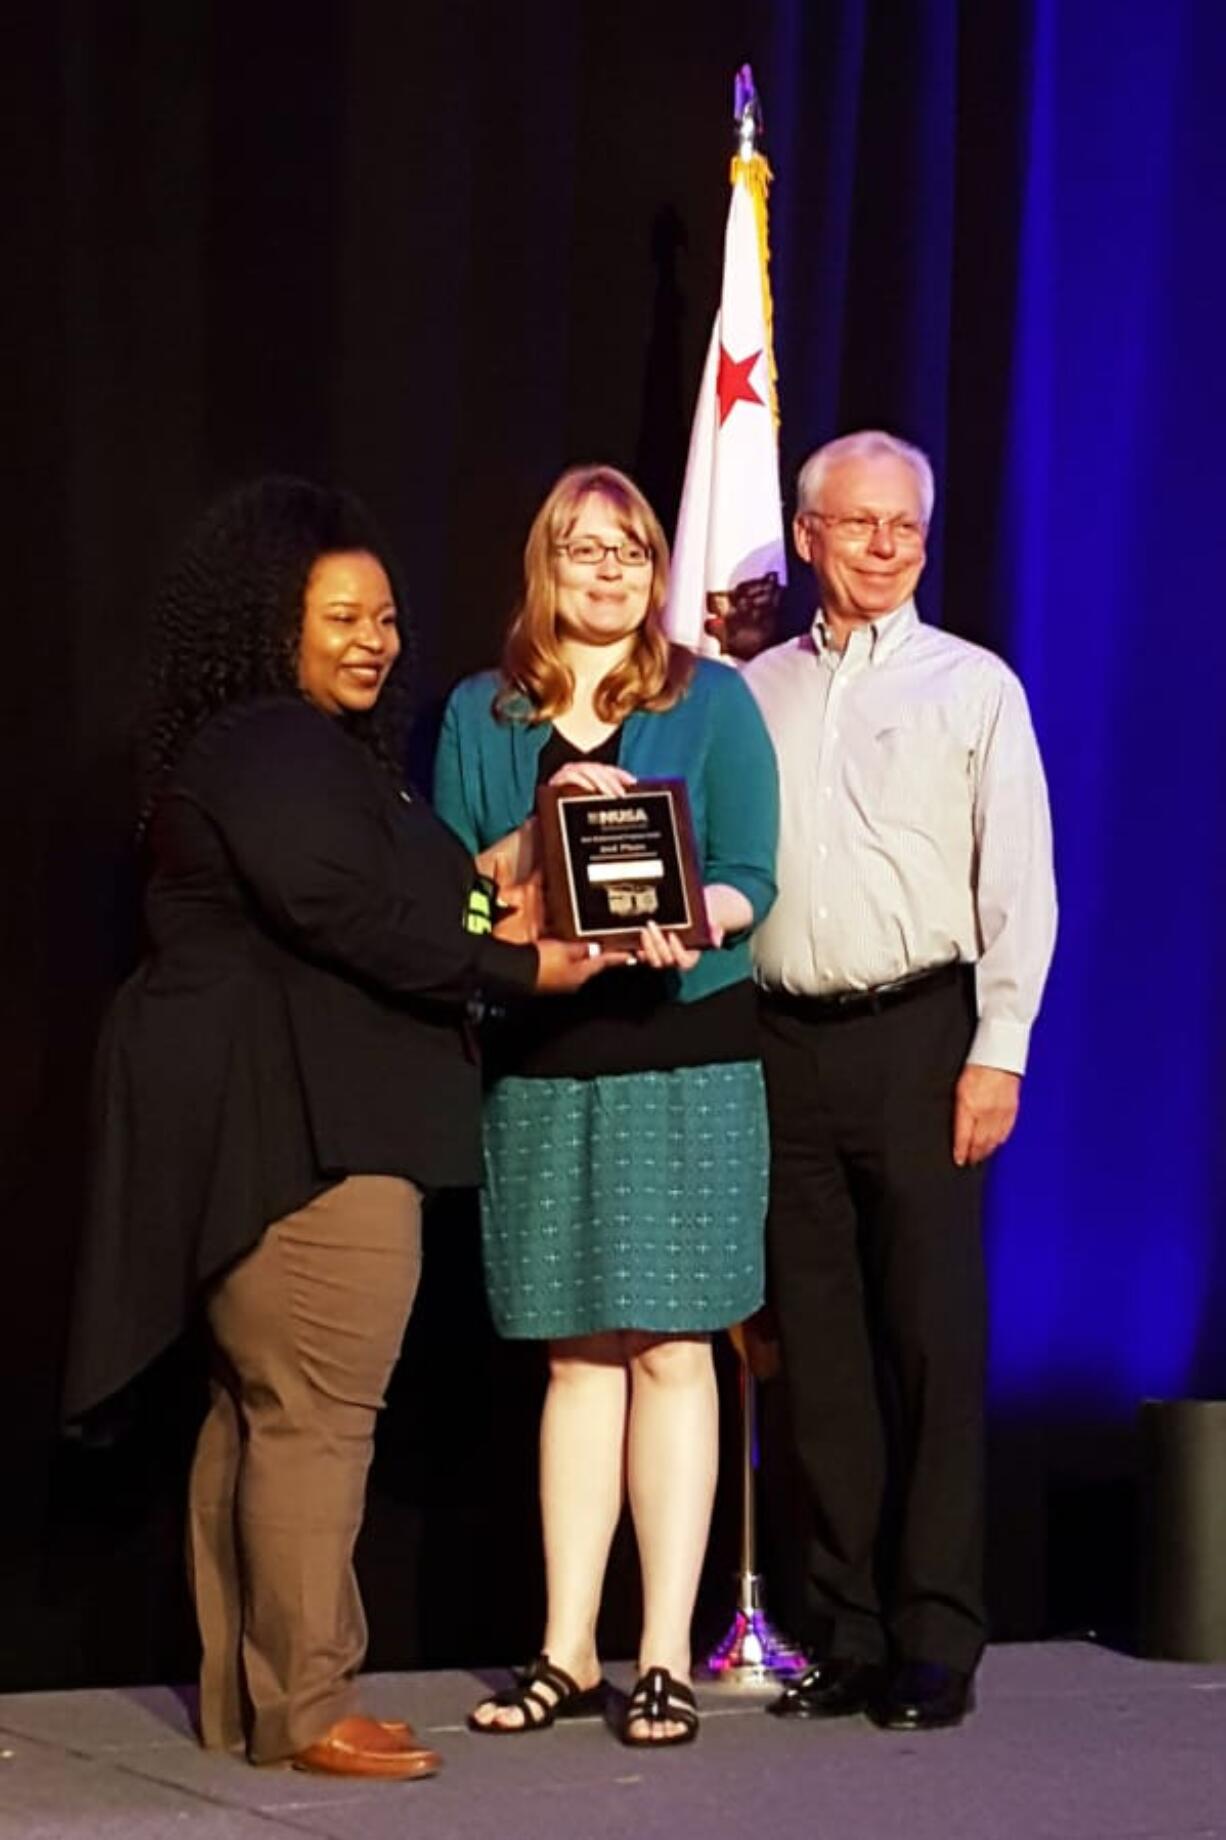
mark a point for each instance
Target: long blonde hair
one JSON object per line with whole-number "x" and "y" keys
{"x": 653, "y": 675}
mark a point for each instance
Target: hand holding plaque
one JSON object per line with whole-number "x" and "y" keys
{"x": 520, "y": 913}
{"x": 612, "y": 865}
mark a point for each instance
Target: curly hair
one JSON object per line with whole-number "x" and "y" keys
{"x": 227, "y": 618}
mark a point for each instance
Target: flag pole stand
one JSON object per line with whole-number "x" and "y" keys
{"x": 752, "y": 1657}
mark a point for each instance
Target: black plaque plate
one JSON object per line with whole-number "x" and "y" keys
{"x": 611, "y": 865}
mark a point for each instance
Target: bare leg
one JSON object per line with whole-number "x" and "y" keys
{"x": 583, "y": 1430}
{"x": 672, "y": 1458}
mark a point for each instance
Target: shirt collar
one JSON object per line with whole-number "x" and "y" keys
{"x": 884, "y": 636}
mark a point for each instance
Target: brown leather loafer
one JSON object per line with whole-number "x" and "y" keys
{"x": 368, "y": 1747}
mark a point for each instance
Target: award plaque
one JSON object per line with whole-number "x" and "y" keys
{"x": 611, "y": 865}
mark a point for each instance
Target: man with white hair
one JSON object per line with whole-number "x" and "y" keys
{"x": 901, "y": 969}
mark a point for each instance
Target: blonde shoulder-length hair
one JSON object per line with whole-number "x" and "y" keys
{"x": 536, "y": 684}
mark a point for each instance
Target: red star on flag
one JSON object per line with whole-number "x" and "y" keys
{"x": 729, "y": 542}
{"x": 733, "y": 385}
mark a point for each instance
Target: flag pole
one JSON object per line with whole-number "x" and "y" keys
{"x": 729, "y": 562}
{"x": 752, "y": 1655}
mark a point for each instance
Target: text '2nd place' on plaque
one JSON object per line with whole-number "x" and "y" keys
{"x": 613, "y": 864}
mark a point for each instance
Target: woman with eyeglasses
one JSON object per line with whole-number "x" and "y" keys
{"x": 625, "y": 1128}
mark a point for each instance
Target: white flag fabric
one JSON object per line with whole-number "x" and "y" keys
{"x": 730, "y": 526}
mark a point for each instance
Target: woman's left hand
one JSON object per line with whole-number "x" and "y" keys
{"x": 728, "y": 910}
{"x": 664, "y": 951}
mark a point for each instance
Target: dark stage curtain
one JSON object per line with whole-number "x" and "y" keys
{"x": 439, "y": 250}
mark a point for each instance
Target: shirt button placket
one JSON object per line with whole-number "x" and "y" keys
{"x": 822, "y": 817}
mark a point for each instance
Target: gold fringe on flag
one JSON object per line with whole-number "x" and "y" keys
{"x": 755, "y": 175}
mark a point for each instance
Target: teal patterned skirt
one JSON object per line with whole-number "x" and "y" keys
{"x": 628, "y": 1201}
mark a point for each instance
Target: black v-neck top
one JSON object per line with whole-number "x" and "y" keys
{"x": 558, "y": 752}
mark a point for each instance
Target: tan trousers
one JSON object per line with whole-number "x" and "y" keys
{"x": 307, "y": 1328}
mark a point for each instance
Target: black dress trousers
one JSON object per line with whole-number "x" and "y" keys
{"x": 876, "y": 1274}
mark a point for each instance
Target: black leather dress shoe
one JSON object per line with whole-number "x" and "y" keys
{"x": 923, "y": 1696}
{"x": 833, "y": 1689}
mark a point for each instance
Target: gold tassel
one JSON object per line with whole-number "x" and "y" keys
{"x": 755, "y": 175}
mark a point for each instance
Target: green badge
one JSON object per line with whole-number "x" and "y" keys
{"x": 479, "y": 912}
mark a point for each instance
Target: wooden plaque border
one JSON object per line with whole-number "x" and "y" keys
{"x": 561, "y": 920}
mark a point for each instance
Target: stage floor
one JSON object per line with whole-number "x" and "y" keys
{"x": 1070, "y": 1742}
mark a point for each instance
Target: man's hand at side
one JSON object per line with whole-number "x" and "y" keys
{"x": 986, "y": 1101}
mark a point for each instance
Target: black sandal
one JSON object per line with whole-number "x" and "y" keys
{"x": 658, "y": 1697}
{"x": 569, "y": 1701}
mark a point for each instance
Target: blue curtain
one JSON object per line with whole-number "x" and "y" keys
{"x": 1005, "y": 238}
{"x": 1110, "y": 1215}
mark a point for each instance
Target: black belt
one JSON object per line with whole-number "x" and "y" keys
{"x": 845, "y": 1005}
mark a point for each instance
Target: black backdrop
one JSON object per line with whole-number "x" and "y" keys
{"x": 435, "y": 251}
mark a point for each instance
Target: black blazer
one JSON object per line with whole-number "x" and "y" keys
{"x": 301, "y": 1017}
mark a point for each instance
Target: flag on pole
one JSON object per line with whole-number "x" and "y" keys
{"x": 730, "y": 526}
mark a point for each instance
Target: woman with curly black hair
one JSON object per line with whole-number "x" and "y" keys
{"x": 284, "y": 1077}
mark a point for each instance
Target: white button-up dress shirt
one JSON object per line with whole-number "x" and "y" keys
{"x": 914, "y": 825}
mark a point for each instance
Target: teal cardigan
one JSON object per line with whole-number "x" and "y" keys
{"x": 713, "y": 738}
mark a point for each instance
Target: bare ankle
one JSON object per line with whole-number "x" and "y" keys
{"x": 675, "y": 1661}
{"x": 579, "y": 1660}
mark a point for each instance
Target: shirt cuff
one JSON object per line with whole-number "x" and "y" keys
{"x": 1000, "y": 1043}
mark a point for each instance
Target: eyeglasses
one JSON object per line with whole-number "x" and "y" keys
{"x": 589, "y": 552}
{"x": 907, "y": 532}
